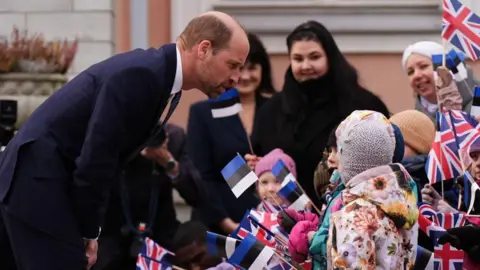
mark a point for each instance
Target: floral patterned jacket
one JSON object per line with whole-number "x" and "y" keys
{"x": 377, "y": 227}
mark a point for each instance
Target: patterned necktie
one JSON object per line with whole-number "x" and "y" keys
{"x": 173, "y": 105}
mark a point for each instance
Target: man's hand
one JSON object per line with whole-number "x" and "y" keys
{"x": 91, "y": 248}
{"x": 161, "y": 155}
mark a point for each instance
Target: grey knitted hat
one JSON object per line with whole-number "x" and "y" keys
{"x": 366, "y": 140}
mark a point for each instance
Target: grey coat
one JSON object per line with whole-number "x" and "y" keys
{"x": 466, "y": 91}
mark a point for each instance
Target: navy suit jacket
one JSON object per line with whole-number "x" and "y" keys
{"x": 85, "y": 132}
{"x": 211, "y": 144}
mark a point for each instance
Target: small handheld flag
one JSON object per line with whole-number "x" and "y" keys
{"x": 456, "y": 64}
{"x": 144, "y": 263}
{"x": 251, "y": 254}
{"x": 281, "y": 173}
{"x": 238, "y": 175}
{"x": 424, "y": 260}
{"x": 227, "y": 104}
{"x": 296, "y": 199}
{"x": 475, "y": 110}
{"x": 221, "y": 246}
{"x": 454, "y": 61}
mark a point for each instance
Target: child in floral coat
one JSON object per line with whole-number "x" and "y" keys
{"x": 377, "y": 227}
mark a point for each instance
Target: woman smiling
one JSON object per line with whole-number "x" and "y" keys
{"x": 417, "y": 64}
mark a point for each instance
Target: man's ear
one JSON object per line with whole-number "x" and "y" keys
{"x": 203, "y": 49}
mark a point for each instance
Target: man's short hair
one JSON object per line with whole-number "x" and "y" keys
{"x": 188, "y": 233}
{"x": 206, "y": 27}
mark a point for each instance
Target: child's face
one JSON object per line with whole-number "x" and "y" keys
{"x": 332, "y": 161}
{"x": 267, "y": 187}
{"x": 475, "y": 170}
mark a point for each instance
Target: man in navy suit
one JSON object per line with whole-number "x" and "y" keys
{"x": 56, "y": 173}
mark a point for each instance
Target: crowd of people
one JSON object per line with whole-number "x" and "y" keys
{"x": 368, "y": 174}
{"x": 362, "y": 167}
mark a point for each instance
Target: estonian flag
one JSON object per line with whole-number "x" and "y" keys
{"x": 281, "y": 173}
{"x": 437, "y": 60}
{"x": 475, "y": 110}
{"x": 456, "y": 63}
{"x": 292, "y": 194}
{"x": 251, "y": 254}
{"x": 238, "y": 175}
{"x": 227, "y": 104}
{"x": 424, "y": 260}
{"x": 221, "y": 246}
{"x": 470, "y": 189}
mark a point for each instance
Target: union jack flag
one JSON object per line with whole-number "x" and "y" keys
{"x": 467, "y": 130}
{"x": 461, "y": 27}
{"x": 266, "y": 232}
{"x": 265, "y": 206}
{"x": 144, "y": 263}
{"x": 443, "y": 161}
{"x": 446, "y": 257}
{"x": 156, "y": 252}
{"x": 247, "y": 227}
{"x": 428, "y": 211}
{"x": 270, "y": 222}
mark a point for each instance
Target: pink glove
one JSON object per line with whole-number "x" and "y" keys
{"x": 287, "y": 218}
{"x": 299, "y": 216}
{"x": 298, "y": 242}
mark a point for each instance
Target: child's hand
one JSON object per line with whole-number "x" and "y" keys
{"x": 299, "y": 240}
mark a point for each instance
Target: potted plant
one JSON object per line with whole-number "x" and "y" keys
{"x": 32, "y": 69}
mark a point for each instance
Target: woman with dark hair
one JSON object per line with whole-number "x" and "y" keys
{"x": 258, "y": 69}
{"x": 321, "y": 89}
{"x": 213, "y": 142}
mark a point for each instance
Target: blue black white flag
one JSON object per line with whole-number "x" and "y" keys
{"x": 227, "y": 104}
{"x": 475, "y": 110}
{"x": 238, "y": 175}
{"x": 220, "y": 245}
{"x": 281, "y": 173}
{"x": 251, "y": 254}
{"x": 293, "y": 195}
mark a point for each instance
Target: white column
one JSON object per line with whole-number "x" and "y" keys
{"x": 139, "y": 24}
{"x": 185, "y": 10}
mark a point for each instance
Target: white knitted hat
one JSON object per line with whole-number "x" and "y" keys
{"x": 366, "y": 140}
{"x": 425, "y": 48}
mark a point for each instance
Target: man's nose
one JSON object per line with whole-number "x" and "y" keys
{"x": 234, "y": 77}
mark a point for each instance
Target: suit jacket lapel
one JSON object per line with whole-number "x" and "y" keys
{"x": 233, "y": 125}
{"x": 168, "y": 54}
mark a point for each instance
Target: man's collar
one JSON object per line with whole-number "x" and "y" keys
{"x": 177, "y": 83}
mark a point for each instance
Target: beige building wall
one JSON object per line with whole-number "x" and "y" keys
{"x": 372, "y": 34}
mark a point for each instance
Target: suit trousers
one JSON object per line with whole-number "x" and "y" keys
{"x": 38, "y": 216}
